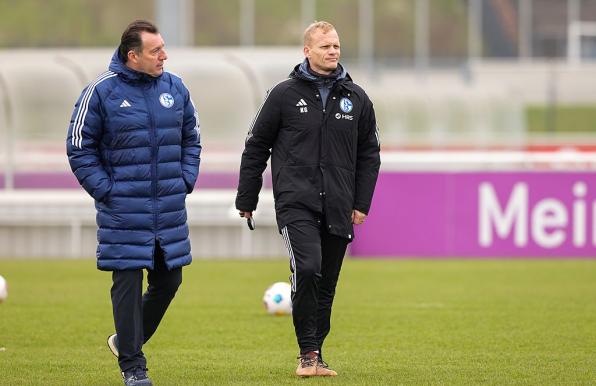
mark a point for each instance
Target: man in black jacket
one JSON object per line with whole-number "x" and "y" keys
{"x": 320, "y": 130}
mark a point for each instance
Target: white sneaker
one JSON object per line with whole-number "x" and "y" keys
{"x": 113, "y": 344}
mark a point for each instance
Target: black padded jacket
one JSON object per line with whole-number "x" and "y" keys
{"x": 323, "y": 161}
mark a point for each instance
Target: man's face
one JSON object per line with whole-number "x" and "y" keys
{"x": 323, "y": 51}
{"x": 150, "y": 60}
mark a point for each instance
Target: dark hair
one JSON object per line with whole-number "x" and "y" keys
{"x": 131, "y": 37}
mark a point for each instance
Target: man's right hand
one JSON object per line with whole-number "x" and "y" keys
{"x": 249, "y": 219}
{"x": 245, "y": 214}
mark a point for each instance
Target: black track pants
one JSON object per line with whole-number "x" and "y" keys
{"x": 315, "y": 262}
{"x": 137, "y": 315}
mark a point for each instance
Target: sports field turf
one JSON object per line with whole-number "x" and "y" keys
{"x": 395, "y": 322}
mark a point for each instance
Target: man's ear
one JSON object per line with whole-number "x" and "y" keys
{"x": 132, "y": 56}
{"x": 306, "y": 51}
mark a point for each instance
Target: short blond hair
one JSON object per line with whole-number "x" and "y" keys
{"x": 317, "y": 25}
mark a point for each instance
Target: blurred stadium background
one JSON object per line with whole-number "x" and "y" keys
{"x": 487, "y": 114}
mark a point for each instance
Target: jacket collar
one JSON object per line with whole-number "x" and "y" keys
{"x": 302, "y": 71}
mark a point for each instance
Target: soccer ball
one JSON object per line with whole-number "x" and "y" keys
{"x": 277, "y": 299}
{"x": 3, "y": 289}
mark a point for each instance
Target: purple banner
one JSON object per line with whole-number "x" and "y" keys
{"x": 481, "y": 214}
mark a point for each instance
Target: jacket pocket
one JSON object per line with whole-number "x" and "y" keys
{"x": 108, "y": 197}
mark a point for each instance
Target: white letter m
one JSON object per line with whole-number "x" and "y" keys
{"x": 516, "y": 213}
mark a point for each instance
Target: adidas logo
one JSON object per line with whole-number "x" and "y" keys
{"x": 302, "y": 104}
{"x": 125, "y": 104}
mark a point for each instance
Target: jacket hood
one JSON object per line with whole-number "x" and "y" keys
{"x": 127, "y": 73}
{"x": 303, "y": 71}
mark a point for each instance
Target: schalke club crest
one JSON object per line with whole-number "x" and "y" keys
{"x": 345, "y": 105}
{"x": 166, "y": 100}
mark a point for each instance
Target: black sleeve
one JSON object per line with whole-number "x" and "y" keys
{"x": 368, "y": 160}
{"x": 261, "y": 137}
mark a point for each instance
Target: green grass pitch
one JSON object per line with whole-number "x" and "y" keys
{"x": 525, "y": 322}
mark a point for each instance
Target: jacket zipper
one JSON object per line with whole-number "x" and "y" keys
{"x": 153, "y": 135}
{"x": 321, "y": 147}
{"x": 324, "y": 138}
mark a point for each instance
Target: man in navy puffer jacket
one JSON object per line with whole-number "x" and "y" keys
{"x": 134, "y": 146}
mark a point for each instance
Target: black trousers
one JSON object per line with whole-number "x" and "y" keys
{"x": 315, "y": 262}
{"x": 137, "y": 315}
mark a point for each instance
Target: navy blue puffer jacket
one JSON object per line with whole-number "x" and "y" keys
{"x": 134, "y": 145}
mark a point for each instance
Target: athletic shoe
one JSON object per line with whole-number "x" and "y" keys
{"x": 136, "y": 376}
{"x": 323, "y": 369}
{"x": 113, "y": 344}
{"x": 307, "y": 365}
